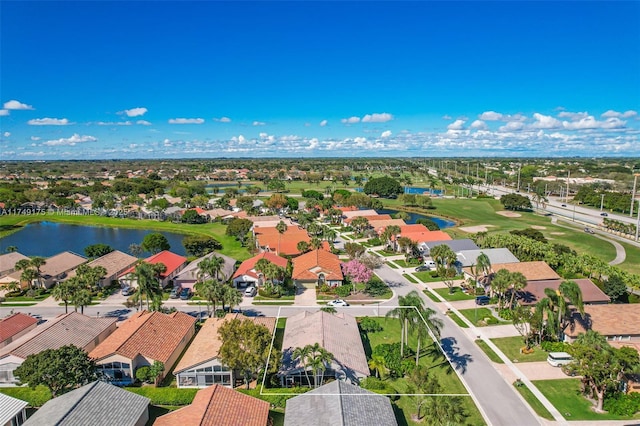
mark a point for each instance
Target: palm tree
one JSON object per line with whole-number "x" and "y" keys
{"x": 482, "y": 266}
{"x": 28, "y": 273}
{"x": 402, "y": 313}
{"x": 66, "y": 291}
{"x": 445, "y": 259}
{"x": 281, "y": 227}
{"x": 148, "y": 284}
{"x": 211, "y": 291}
{"x": 567, "y": 293}
{"x": 37, "y": 262}
{"x": 518, "y": 282}
{"x": 210, "y": 267}
{"x": 302, "y": 246}
{"x": 231, "y": 296}
{"x": 318, "y": 360}
{"x": 500, "y": 284}
{"x": 301, "y": 355}
{"x": 377, "y": 363}
{"x": 82, "y": 298}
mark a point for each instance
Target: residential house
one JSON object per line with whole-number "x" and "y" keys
{"x": 371, "y": 218}
{"x": 190, "y": 274}
{"x": 421, "y": 235}
{"x": 8, "y": 262}
{"x": 339, "y": 403}
{"x": 354, "y": 213}
{"x": 68, "y": 329}
{"x": 219, "y": 406}
{"x": 246, "y": 274}
{"x": 618, "y": 323}
{"x": 115, "y": 263}
{"x": 455, "y": 245}
{"x": 468, "y": 258}
{"x": 286, "y": 244}
{"x": 12, "y": 411}
{"x": 200, "y": 366}
{"x": 15, "y": 326}
{"x": 534, "y": 291}
{"x": 316, "y": 268}
{"x": 58, "y": 266}
{"x": 337, "y": 333}
{"x": 533, "y": 271}
{"x": 96, "y": 404}
{"x": 174, "y": 263}
{"x": 144, "y": 338}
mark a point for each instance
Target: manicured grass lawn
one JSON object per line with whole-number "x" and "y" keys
{"x": 410, "y": 278}
{"x": 279, "y": 331}
{"x": 565, "y": 395}
{"x": 482, "y": 317}
{"x": 457, "y": 319}
{"x": 431, "y": 296}
{"x": 258, "y": 297}
{"x": 277, "y": 416}
{"x": 455, "y": 296}
{"x": 426, "y": 277}
{"x": 510, "y": 346}
{"x": 632, "y": 261}
{"x": 490, "y": 353}
{"x": 17, "y": 305}
{"x": 404, "y": 264}
{"x": 534, "y": 402}
{"x": 27, "y": 298}
{"x": 35, "y": 397}
{"x": 392, "y": 265}
{"x": 274, "y": 303}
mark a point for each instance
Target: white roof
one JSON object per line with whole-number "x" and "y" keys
{"x": 9, "y": 407}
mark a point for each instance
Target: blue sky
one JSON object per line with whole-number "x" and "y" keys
{"x": 169, "y": 79}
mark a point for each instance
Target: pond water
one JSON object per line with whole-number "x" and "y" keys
{"x": 442, "y": 223}
{"x": 50, "y": 238}
{"x": 415, "y": 190}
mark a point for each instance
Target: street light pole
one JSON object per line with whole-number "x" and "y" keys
{"x": 601, "y": 202}
{"x": 633, "y": 193}
{"x": 638, "y": 222}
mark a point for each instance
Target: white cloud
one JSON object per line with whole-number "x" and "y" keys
{"x": 479, "y": 124}
{"x": 259, "y": 123}
{"x": 511, "y": 126}
{"x": 446, "y": 117}
{"x": 134, "y": 112}
{"x": 114, "y": 123}
{"x": 386, "y": 134}
{"x": 241, "y": 139}
{"x": 143, "y": 122}
{"x": 611, "y": 113}
{"x": 490, "y": 116}
{"x": 456, "y": 125}
{"x": 35, "y": 138}
{"x": 71, "y": 141}
{"x": 263, "y": 135}
{"x": 48, "y": 122}
{"x": 350, "y": 120}
{"x": 186, "y": 121}
{"x": 591, "y": 123}
{"x": 377, "y": 118}
{"x": 4, "y": 112}
{"x": 13, "y": 104}
{"x": 323, "y": 123}
{"x": 545, "y": 122}
{"x": 222, "y": 120}
{"x": 6, "y": 134}
{"x": 573, "y": 116}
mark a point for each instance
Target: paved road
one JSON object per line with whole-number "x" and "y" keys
{"x": 499, "y": 401}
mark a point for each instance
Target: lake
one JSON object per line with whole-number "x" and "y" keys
{"x": 442, "y": 223}
{"x": 414, "y": 190}
{"x": 49, "y": 238}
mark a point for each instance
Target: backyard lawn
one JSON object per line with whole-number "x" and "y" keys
{"x": 565, "y": 395}
{"x": 511, "y": 346}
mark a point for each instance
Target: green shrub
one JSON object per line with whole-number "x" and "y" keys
{"x": 634, "y": 298}
{"x": 374, "y": 241}
{"x": 166, "y": 396}
{"x": 142, "y": 373}
{"x": 379, "y": 386}
{"x": 31, "y": 293}
{"x": 369, "y": 325}
{"x": 506, "y": 314}
{"x": 375, "y": 287}
{"x": 324, "y": 288}
{"x": 434, "y": 274}
{"x": 554, "y": 346}
{"x": 276, "y": 401}
{"x": 622, "y": 404}
{"x": 343, "y": 290}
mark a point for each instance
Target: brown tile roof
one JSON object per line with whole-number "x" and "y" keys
{"x": 8, "y": 261}
{"x": 379, "y": 225}
{"x": 60, "y": 263}
{"x": 14, "y": 324}
{"x": 219, "y": 406}
{"x": 533, "y": 271}
{"x": 357, "y": 212}
{"x": 286, "y": 243}
{"x": 152, "y": 334}
{"x": 67, "y": 329}
{"x": 114, "y": 262}
{"x": 337, "y": 333}
{"x": 206, "y": 345}
{"x": 247, "y": 267}
{"x": 310, "y": 265}
{"x": 608, "y": 320}
{"x": 534, "y": 291}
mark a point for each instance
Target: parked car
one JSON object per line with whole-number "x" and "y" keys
{"x": 175, "y": 292}
{"x": 185, "y": 294}
{"x": 422, "y": 268}
{"x": 250, "y": 291}
{"x": 604, "y": 214}
{"x": 589, "y": 231}
{"x": 558, "y": 359}
{"x": 127, "y": 291}
{"x": 563, "y": 205}
{"x": 430, "y": 264}
{"x": 337, "y": 302}
{"x": 482, "y": 300}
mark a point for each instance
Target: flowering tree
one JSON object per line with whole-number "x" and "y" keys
{"x": 356, "y": 271}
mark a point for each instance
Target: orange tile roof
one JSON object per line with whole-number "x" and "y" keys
{"x": 171, "y": 260}
{"x": 219, "y": 406}
{"x": 206, "y": 345}
{"x": 282, "y": 244}
{"x": 247, "y": 267}
{"x": 151, "y": 334}
{"x": 425, "y": 236}
{"x": 14, "y": 324}
{"x": 370, "y": 218}
{"x": 310, "y": 265}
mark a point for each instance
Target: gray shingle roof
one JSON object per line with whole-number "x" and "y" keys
{"x": 9, "y": 407}
{"x": 190, "y": 272}
{"x": 496, "y": 256}
{"x": 96, "y": 404}
{"x": 339, "y": 404}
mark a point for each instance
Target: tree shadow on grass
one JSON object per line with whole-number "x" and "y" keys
{"x": 458, "y": 360}
{"x": 400, "y": 417}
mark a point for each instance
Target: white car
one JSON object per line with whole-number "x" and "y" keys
{"x": 337, "y": 302}
{"x": 250, "y": 291}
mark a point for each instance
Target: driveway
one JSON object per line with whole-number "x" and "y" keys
{"x": 305, "y": 297}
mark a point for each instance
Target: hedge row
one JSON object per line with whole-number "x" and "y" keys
{"x": 165, "y": 396}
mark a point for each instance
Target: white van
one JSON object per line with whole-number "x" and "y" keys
{"x": 558, "y": 359}
{"x": 430, "y": 264}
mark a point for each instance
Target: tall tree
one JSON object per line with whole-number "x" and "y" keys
{"x": 281, "y": 227}
{"x": 445, "y": 259}
{"x": 81, "y": 298}
{"x": 65, "y": 291}
{"x": 155, "y": 242}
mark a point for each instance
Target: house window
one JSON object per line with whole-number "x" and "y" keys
{"x": 321, "y": 279}
{"x": 115, "y": 372}
{"x": 207, "y": 376}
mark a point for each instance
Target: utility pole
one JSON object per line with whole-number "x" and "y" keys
{"x": 566, "y": 200}
{"x": 601, "y": 201}
{"x": 638, "y": 223}
{"x": 519, "y": 167}
{"x": 633, "y": 193}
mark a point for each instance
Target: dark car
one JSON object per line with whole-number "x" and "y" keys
{"x": 185, "y": 294}
{"x": 175, "y": 292}
{"x": 422, "y": 268}
{"x": 564, "y": 205}
{"x": 482, "y": 300}
{"x": 604, "y": 214}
